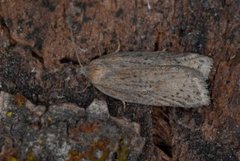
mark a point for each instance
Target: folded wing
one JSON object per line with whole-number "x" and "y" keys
{"x": 153, "y": 78}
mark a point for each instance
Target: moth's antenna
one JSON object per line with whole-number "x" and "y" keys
{"x": 75, "y": 48}
{"x": 78, "y": 59}
{"x": 82, "y": 69}
{"x": 101, "y": 39}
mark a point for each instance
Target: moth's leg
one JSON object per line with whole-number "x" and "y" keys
{"x": 83, "y": 90}
{"x": 76, "y": 50}
{"x": 163, "y": 50}
{"x": 118, "y": 48}
{"x": 124, "y": 106}
{"x": 78, "y": 59}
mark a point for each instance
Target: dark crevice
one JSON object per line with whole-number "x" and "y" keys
{"x": 48, "y": 5}
{"x": 39, "y": 58}
{"x": 5, "y": 27}
{"x": 2, "y": 22}
{"x": 97, "y": 56}
{"x": 68, "y": 61}
{"x": 165, "y": 148}
{"x": 105, "y": 52}
{"x": 156, "y": 45}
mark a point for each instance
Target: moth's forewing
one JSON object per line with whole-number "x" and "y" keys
{"x": 154, "y": 59}
{"x": 140, "y": 79}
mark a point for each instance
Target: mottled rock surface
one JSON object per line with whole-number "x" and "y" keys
{"x": 41, "y": 43}
{"x": 64, "y": 132}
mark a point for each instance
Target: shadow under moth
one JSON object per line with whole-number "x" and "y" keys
{"x": 152, "y": 78}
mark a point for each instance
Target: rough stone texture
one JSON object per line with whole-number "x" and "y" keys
{"x": 63, "y": 132}
{"x": 39, "y": 41}
{"x": 98, "y": 109}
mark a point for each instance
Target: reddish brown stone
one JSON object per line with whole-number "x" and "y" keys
{"x": 86, "y": 128}
{"x": 39, "y": 41}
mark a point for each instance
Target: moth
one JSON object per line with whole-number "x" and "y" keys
{"x": 152, "y": 78}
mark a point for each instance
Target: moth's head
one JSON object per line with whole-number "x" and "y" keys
{"x": 94, "y": 72}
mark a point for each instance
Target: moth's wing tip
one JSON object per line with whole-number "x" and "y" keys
{"x": 208, "y": 64}
{"x": 207, "y": 67}
{"x": 204, "y": 95}
{"x": 204, "y": 102}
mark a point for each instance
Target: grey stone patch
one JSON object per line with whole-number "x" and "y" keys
{"x": 6, "y": 104}
{"x": 98, "y": 109}
{"x": 38, "y": 110}
{"x": 65, "y": 131}
{"x": 64, "y": 112}
{"x": 127, "y": 124}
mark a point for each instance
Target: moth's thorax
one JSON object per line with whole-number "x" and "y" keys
{"x": 95, "y": 73}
